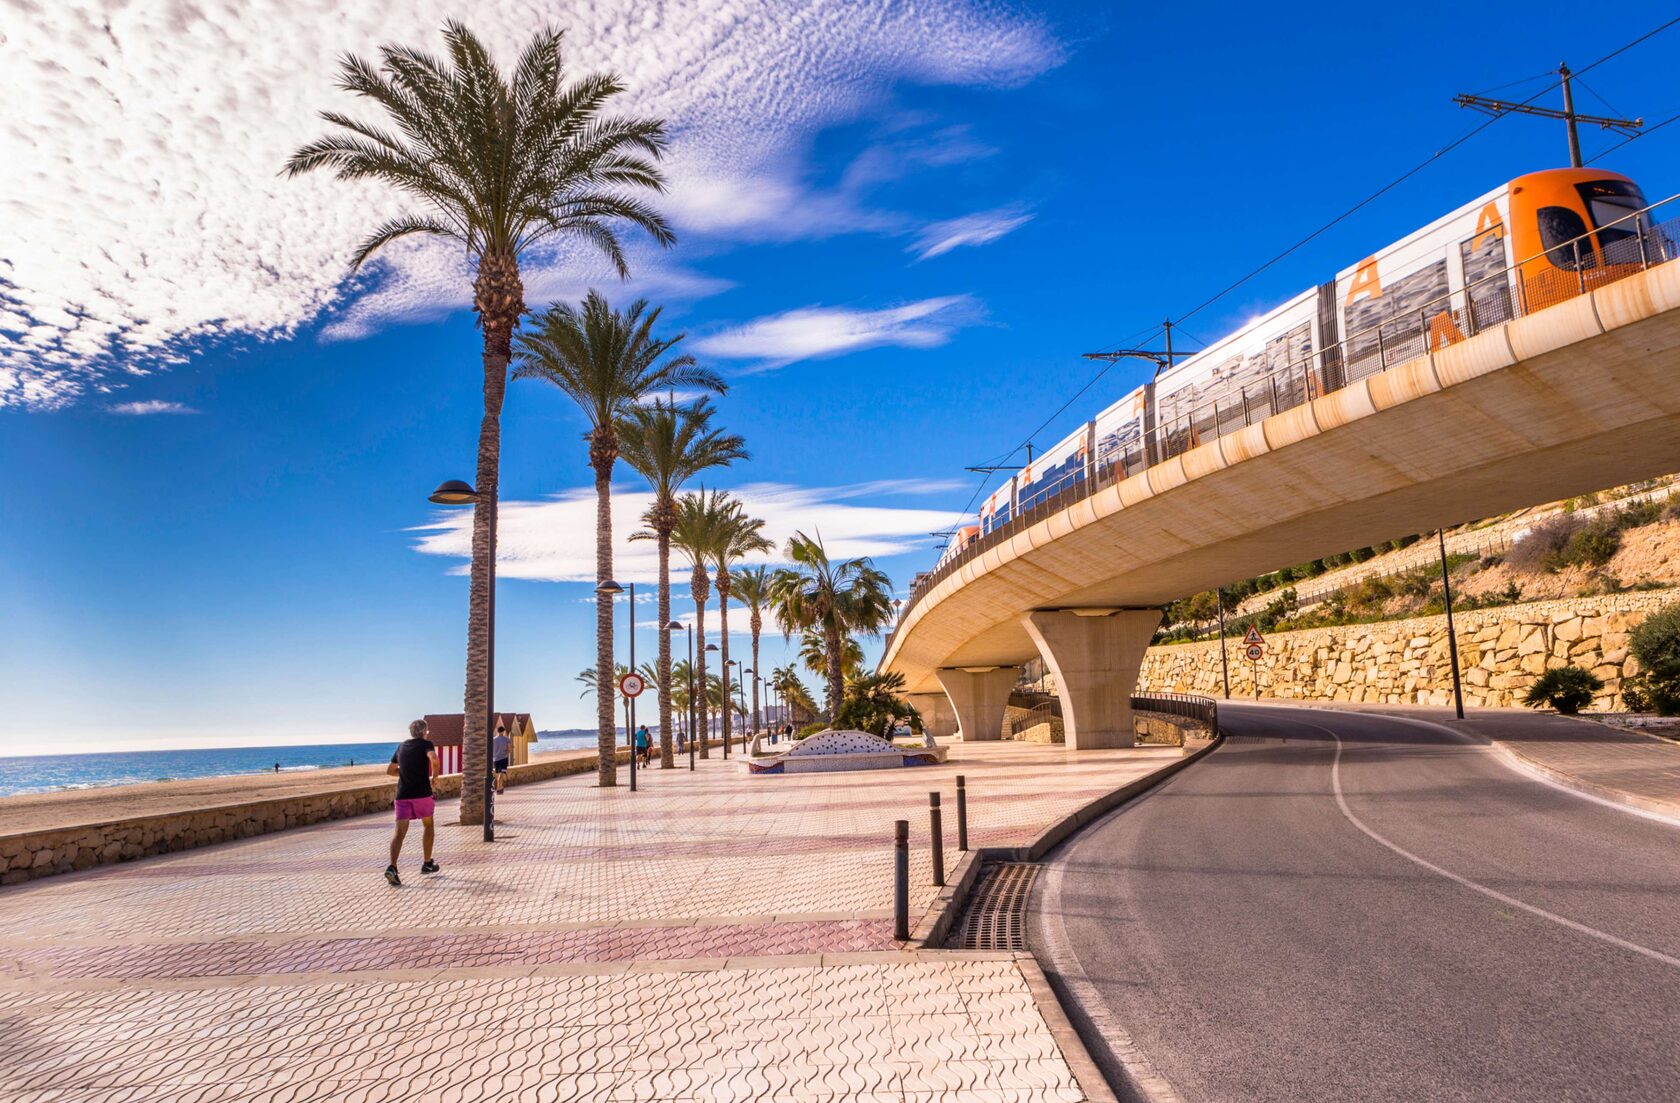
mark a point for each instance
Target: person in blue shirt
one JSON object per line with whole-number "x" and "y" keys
{"x": 644, "y": 744}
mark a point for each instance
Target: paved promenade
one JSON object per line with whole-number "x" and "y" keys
{"x": 712, "y": 937}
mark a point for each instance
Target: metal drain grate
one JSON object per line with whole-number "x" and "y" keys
{"x": 997, "y": 911}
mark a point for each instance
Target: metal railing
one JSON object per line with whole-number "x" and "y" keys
{"x": 1187, "y": 705}
{"x": 1322, "y": 371}
{"x": 1049, "y": 712}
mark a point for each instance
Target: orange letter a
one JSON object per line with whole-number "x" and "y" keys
{"x": 1365, "y": 281}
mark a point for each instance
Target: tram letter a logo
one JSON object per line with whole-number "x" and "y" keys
{"x": 1365, "y": 281}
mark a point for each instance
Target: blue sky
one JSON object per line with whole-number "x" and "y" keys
{"x": 901, "y": 225}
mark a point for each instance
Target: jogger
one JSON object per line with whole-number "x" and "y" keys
{"x": 414, "y": 765}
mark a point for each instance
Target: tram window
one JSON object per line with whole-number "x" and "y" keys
{"x": 1610, "y": 200}
{"x": 1559, "y": 226}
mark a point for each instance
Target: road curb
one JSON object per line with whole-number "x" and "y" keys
{"x": 1517, "y": 760}
{"x": 1066, "y": 1036}
{"x": 937, "y": 921}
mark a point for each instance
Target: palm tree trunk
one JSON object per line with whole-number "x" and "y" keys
{"x": 606, "y": 731}
{"x": 702, "y": 727}
{"x": 476, "y": 702}
{"x": 757, "y": 625}
{"x": 666, "y": 759}
{"x": 836, "y": 683}
{"x": 723, "y": 652}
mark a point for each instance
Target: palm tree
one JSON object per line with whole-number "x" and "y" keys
{"x": 696, "y": 534}
{"x": 497, "y": 164}
{"x": 740, "y": 536}
{"x": 836, "y": 599}
{"x": 813, "y": 652}
{"x": 785, "y": 680}
{"x": 608, "y": 362}
{"x": 670, "y": 444}
{"x": 752, "y": 585}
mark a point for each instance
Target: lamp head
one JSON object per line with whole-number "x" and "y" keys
{"x": 675, "y": 626}
{"x": 609, "y": 587}
{"x": 453, "y": 492}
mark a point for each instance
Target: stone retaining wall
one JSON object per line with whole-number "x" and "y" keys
{"x": 26, "y": 855}
{"x": 1406, "y": 661}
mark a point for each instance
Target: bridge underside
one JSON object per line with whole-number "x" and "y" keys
{"x": 1565, "y": 401}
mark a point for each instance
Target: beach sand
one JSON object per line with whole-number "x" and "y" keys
{"x": 78, "y": 807}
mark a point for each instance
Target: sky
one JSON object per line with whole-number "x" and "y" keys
{"x": 900, "y": 224}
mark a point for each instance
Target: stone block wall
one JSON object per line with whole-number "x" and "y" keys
{"x": 1501, "y": 651}
{"x": 27, "y": 855}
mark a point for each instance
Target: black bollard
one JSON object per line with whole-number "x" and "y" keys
{"x": 936, "y": 830}
{"x": 962, "y": 815}
{"x": 901, "y": 880}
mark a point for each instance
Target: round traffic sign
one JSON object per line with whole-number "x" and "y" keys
{"x": 1254, "y": 651}
{"x": 631, "y": 685}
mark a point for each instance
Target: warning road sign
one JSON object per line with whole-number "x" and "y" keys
{"x": 1253, "y": 638}
{"x": 1254, "y": 652}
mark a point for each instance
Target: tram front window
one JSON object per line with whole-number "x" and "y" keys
{"x": 1611, "y": 202}
{"x": 1562, "y": 233}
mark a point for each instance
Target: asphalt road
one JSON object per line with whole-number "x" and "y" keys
{"x": 1444, "y": 928}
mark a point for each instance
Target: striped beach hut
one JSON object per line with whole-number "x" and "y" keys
{"x": 446, "y": 730}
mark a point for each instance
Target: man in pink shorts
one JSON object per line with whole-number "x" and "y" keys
{"x": 414, "y": 765}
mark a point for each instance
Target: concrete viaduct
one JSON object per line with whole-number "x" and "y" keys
{"x": 1569, "y": 399}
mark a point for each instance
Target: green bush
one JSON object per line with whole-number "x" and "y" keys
{"x": 810, "y": 729}
{"x": 1656, "y": 644}
{"x": 1565, "y": 688}
{"x": 1594, "y": 545}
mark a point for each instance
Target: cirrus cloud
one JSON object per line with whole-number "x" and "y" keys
{"x": 982, "y": 228}
{"x": 814, "y": 332}
{"x": 140, "y": 149}
{"x": 154, "y": 406}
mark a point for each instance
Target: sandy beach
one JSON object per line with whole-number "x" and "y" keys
{"x": 75, "y": 807}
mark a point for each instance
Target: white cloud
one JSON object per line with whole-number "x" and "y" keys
{"x": 155, "y": 406}
{"x": 982, "y": 228}
{"x": 141, "y": 145}
{"x": 554, "y": 540}
{"x": 818, "y": 331}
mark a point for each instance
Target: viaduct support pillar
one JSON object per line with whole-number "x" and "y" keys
{"x": 979, "y": 695}
{"x": 937, "y": 716}
{"x": 1095, "y": 655}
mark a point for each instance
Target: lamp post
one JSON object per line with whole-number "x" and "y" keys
{"x": 454, "y": 492}
{"x": 728, "y": 702}
{"x": 612, "y": 588}
{"x": 757, "y": 681}
{"x": 689, "y": 721}
{"x": 705, "y": 694}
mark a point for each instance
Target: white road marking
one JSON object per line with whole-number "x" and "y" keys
{"x": 1476, "y": 886}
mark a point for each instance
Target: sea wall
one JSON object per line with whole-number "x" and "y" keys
{"x": 1501, "y": 651}
{"x": 25, "y": 855}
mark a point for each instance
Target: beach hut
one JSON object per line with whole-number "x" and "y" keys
{"x": 447, "y": 730}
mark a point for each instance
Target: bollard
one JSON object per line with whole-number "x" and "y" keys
{"x": 901, "y": 880}
{"x": 962, "y": 815}
{"x": 936, "y": 830}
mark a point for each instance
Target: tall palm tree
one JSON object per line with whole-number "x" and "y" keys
{"x": 670, "y": 444}
{"x": 813, "y": 652}
{"x": 740, "y": 536}
{"x": 607, "y": 361}
{"x": 836, "y": 599}
{"x": 696, "y": 534}
{"x": 496, "y": 163}
{"x": 752, "y": 585}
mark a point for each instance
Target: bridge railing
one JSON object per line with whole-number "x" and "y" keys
{"x": 1627, "y": 246}
{"x": 1187, "y": 705}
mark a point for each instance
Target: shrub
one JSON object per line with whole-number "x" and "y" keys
{"x": 1637, "y": 514}
{"x": 1543, "y": 548}
{"x": 1594, "y": 545}
{"x": 810, "y": 729}
{"x": 1656, "y": 644}
{"x": 1565, "y": 688}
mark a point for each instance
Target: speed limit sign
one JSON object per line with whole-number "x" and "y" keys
{"x": 631, "y": 685}
{"x": 1254, "y": 652}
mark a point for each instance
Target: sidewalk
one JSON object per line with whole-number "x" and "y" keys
{"x": 1642, "y": 771}
{"x": 713, "y": 937}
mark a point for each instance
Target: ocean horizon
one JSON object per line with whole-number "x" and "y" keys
{"x": 20, "y": 774}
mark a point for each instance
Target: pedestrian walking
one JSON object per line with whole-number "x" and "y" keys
{"x": 644, "y": 745}
{"x": 414, "y": 765}
{"x": 499, "y": 752}
{"x": 682, "y": 741}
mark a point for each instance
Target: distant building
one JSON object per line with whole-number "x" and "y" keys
{"x": 447, "y": 730}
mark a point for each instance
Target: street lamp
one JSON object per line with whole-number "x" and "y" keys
{"x": 728, "y": 702}
{"x": 705, "y": 699}
{"x": 454, "y": 492}
{"x": 672, "y": 627}
{"x": 612, "y": 589}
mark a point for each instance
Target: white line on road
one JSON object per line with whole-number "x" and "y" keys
{"x": 1581, "y": 928}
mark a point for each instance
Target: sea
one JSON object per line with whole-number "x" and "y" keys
{"x": 47, "y": 773}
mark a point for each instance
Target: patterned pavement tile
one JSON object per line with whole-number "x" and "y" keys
{"x": 283, "y": 968}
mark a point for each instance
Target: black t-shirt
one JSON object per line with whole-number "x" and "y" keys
{"x": 414, "y": 769}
